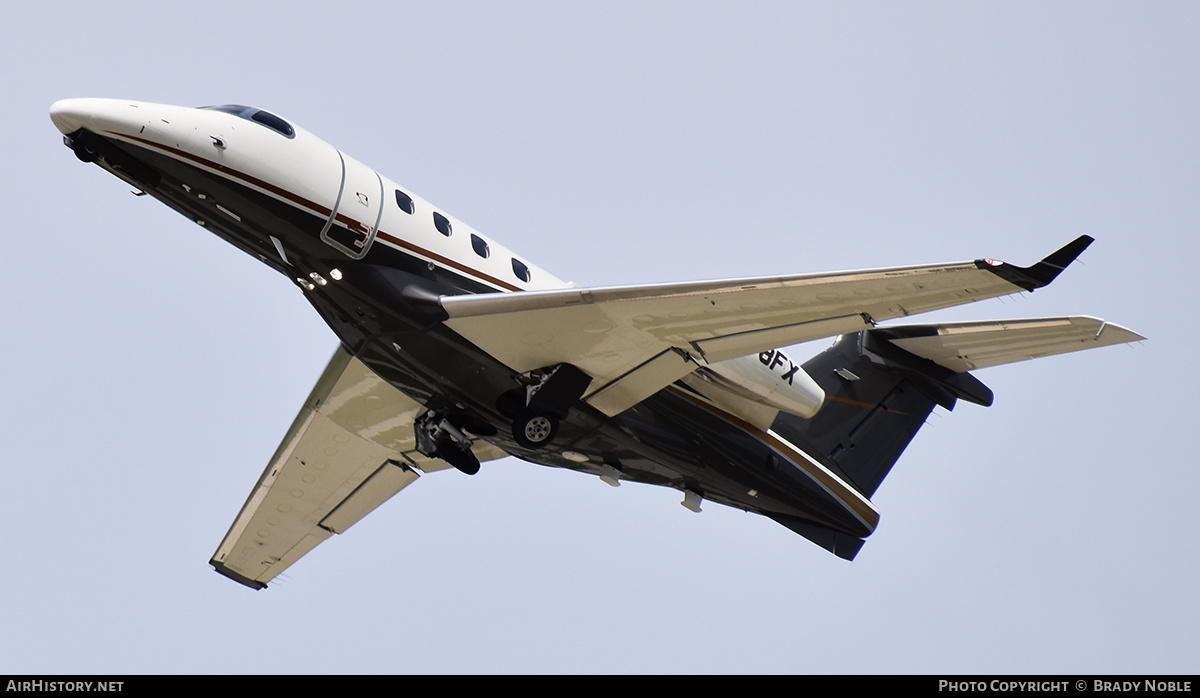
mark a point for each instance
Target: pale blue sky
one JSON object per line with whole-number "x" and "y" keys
{"x": 152, "y": 368}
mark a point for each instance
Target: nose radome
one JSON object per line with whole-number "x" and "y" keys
{"x": 95, "y": 114}
{"x": 69, "y": 115}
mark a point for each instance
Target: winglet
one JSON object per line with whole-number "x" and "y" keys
{"x": 1042, "y": 273}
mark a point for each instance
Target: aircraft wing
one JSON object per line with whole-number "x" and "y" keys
{"x": 966, "y": 346}
{"x": 635, "y": 340}
{"x": 350, "y": 449}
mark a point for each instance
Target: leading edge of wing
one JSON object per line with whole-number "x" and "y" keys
{"x": 1025, "y": 278}
{"x": 631, "y": 338}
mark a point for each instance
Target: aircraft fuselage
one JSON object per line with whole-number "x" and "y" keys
{"x": 374, "y": 260}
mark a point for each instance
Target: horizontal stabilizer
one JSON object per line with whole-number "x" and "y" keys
{"x": 966, "y": 346}
{"x": 881, "y": 384}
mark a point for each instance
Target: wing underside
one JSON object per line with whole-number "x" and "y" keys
{"x": 349, "y": 450}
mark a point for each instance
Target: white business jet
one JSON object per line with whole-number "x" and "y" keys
{"x": 456, "y": 351}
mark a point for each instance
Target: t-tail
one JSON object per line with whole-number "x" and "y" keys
{"x": 880, "y": 386}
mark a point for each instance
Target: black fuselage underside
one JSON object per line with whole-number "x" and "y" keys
{"x": 384, "y": 311}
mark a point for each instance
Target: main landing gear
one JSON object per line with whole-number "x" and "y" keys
{"x": 534, "y": 430}
{"x": 437, "y": 437}
{"x": 461, "y": 458}
{"x": 547, "y": 397}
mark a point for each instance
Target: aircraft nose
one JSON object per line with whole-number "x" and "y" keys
{"x": 70, "y": 115}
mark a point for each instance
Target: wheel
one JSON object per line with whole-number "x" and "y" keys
{"x": 533, "y": 430}
{"x": 463, "y": 460}
{"x": 83, "y": 150}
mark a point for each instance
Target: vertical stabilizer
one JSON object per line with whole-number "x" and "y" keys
{"x": 877, "y": 398}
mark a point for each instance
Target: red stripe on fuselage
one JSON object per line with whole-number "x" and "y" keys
{"x": 320, "y": 210}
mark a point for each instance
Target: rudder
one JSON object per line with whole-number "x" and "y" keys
{"x": 877, "y": 396}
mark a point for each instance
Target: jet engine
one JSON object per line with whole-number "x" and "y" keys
{"x": 757, "y": 387}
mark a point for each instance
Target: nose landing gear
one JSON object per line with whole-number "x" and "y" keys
{"x": 80, "y": 144}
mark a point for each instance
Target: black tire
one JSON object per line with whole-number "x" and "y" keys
{"x": 82, "y": 148}
{"x": 533, "y": 430}
{"x": 464, "y": 461}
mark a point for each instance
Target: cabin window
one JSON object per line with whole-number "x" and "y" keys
{"x": 404, "y": 201}
{"x": 442, "y": 224}
{"x": 480, "y": 245}
{"x": 520, "y": 269}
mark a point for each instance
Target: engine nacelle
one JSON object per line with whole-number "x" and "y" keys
{"x": 758, "y": 386}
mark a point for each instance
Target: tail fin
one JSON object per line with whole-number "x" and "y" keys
{"x": 877, "y": 397}
{"x": 881, "y": 384}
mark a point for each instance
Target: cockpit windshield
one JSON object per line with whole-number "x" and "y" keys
{"x": 256, "y": 115}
